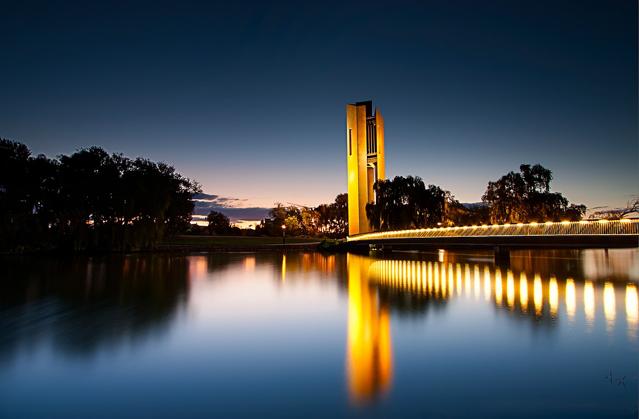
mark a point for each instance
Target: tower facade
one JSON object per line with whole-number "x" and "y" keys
{"x": 365, "y": 159}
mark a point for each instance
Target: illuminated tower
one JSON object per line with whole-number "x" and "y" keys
{"x": 365, "y": 157}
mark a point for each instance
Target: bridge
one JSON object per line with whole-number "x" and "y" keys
{"x": 503, "y": 237}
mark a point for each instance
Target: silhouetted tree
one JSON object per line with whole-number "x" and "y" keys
{"x": 618, "y": 213}
{"x": 89, "y": 200}
{"x": 525, "y": 197}
{"x": 218, "y": 223}
{"x": 406, "y": 202}
{"x": 324, "y": 220}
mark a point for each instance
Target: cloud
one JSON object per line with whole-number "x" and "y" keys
{"x": 231, "y": 207}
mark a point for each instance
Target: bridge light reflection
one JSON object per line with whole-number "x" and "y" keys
{"x": 523, "y": 292}
{"x": 487, "y": 289}
{"x": 553, "y": 296}
{"x": 589, "y": 303}
{"x": 442, "y": 281}
{"x": 510, "y": 290}
{"x": 609, "y": 305}
{"x": 451, "y": 290}
{"x": 570, "y": 298}
{"x": 537, "y": 295}
{"x": 498, "y": 287}
{"x": 632, "y": 311}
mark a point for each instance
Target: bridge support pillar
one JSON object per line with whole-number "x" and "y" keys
{"x": 502, "y": 256}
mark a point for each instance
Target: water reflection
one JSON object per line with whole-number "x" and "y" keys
{"x": 81, "y": 305}
{"x": 632, "y": 310}
{"x": 374, "y": 286}
{"x": 369, "y": 360}
{"x": 247, "y": 313}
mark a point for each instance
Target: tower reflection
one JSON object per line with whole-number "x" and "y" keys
{"x": 369, "y": 362}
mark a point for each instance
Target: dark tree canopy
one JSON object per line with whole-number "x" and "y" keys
{"x": 406, "y": 202}
{"x": 89, "y": 200}
{"x": 329, "y": 220}
{"x": 218, "y": 223}
{"x": 526, "y": 197}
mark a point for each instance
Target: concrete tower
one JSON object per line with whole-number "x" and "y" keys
{"x": 365, "y": 157}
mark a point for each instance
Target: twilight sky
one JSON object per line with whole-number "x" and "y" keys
{"x": 249, "y": 98}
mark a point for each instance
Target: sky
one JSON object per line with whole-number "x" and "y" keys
{"x": 248, "y": 98}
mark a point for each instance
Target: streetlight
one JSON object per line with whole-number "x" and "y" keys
{"x": 283, "y": 234}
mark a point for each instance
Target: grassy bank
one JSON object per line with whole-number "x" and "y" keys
{"x": 235, "y": 243}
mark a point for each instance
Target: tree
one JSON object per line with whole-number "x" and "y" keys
{"x": 324, "y": 220}
{"x": 218, "y": 223}
{"x": 89, "y": 200}
{"x": 618, "y": 213}
{"x": 525, "y": 197}
{"x": 333, "y": 218}
{"x": 405, "y": 202}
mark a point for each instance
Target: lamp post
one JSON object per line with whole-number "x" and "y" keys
{"x": 283, "y": 234}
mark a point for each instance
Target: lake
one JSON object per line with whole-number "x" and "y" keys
{"x": 437, "y": 335}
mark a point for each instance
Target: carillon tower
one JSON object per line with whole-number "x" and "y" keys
{"x": 365, "y": 157}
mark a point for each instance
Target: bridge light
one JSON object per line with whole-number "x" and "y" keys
{"x": 624, "y": 220}
{"x": 584, "y": 222}
{"x": 534, "y": 223}
{"x": 484, "y": 226}
{"x": 603, "y": 221}
{"x": 507, "y": 225}
{"x": 565, "y": 222}
{"x": 520, "y": 224}
{"x": 548, "y": 223}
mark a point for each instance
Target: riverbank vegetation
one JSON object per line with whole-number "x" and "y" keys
{"x": 92, "y": 200}
{"x": 406, "y": 202}
{"x": 89, "y": 200}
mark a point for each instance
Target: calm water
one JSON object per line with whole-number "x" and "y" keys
{"x": 312, "y": 335}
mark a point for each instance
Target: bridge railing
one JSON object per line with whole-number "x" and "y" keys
{"x": 563, "y": 228}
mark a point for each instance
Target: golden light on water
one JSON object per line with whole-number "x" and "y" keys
{"x": 450, "y": 280}
{"x": 369, "y": 360}
{"x": 249, "y": 264}
{"x": 632, "y": 310}
{"x": 446, "y": 280}
{"x": 510, "y": 290}
{"x": 553, "y": 296}
{"x": 538, "y": 298}
{"x": 487, "y": 290}
{"x": 283, "y": 267}
{"x": 523, "y": 291}
{"x": 443, "y": 280}
{"x": 430, "y": 277}
{"x": 571, "y": 301}
{"x": 589, "y": 302}
{"x": 498, "y": 287}
{"x": 610, "y": 309}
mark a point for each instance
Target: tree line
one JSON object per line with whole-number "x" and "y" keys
{"x": 92, "y": 200}
{"x": 407, "y": 202}
{"x": 326, "y": 220}
{"x": 89, "y": 200}
{"x": 517, "y": 197}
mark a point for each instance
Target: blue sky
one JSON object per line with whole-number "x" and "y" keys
{"x": 248, "y": 98}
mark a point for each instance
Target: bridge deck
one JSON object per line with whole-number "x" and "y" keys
{"x": 578, "y": 233}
